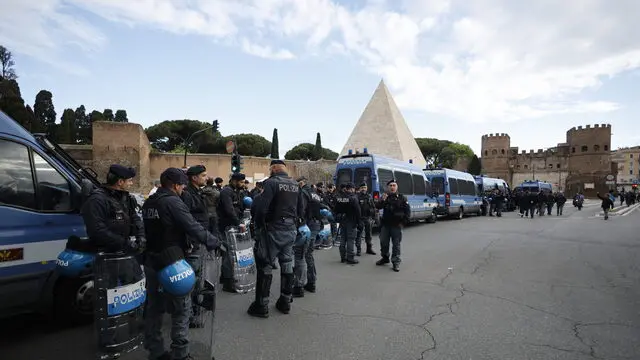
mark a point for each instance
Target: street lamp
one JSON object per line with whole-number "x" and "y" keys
{"x": 213, "y": 127}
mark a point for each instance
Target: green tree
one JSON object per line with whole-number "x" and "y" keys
{"x": 443, "y": 152}
{"x": 121, "y": 116}
{"x": 108, "y": 115}
{"x": 45, "y": 114}
{"x": 96, "y": 116}
{"x": 318, "y": 148}
{"x": 169, "y": 134}
{"x": 250, "y": 144}
{"x": 475, "y": 166}
{"x": 67, "y": 129}
{"x": 84, "y": 129}
{"x": 12, "y": 104}
{"x": 306, "y": 151}
{"x": 7, "y": 72}
{"x": 275, "y": 152}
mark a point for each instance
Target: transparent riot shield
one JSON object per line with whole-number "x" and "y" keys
{"x": 240, "y": 250}
{"x": 201, "y": 339}
{"x": 120, "y": 287}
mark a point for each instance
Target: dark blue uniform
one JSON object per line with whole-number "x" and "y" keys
{"x": 276, "y": 221}
{"x": 172, "y": 232}
{"x": 395, "y": 213}
{"x": 348, "y": 214}
{"x": 230, "y": 210}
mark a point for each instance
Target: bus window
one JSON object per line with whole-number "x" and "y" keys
{"x": 428, "y": 189}
{"x": 453, "y": 186}
{"x": 363, "y": 175}
{"x": 384, "y": 176}
{"x": 437, "y": 184}
{"x": 405, "y": 184}
{"x": 418, "y": 184}
{"x": 343, "y": 176}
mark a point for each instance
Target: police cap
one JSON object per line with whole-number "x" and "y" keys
{"x": 301, "y": 178}
{"x": 196, "y": 170}
{"x": 174, "y": 176}
{"x": 392, "y": 181}
{"x": 238, "y": 176}
{"x": 277, "y": 162}
{"x": 319, "y": 185}
{"x": 349, "y": 185}
{"x": 219, "y": 180}
{"x": 363, "y": 184}
{"x": 122, "y": 172}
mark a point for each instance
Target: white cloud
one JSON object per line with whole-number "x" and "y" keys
{"x": 476, "y": 60}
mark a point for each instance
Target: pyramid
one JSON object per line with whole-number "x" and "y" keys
{"x": 383, "y": 131}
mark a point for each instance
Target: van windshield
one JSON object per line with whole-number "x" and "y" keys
{"x": 67, "y": 161}
{"x": 437, "y": 184}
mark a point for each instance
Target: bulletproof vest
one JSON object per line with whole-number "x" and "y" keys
{"x": 211, "y": 196}
{"x": 365, "y": 204}
{"x": 159, "y": 236}
{"x": 235, "y": 200}
{"x": 199, "y": 209}
{"x": 394, "y": 206}
{"x": 285, "y": 200}
{"x": 313, "y": 203}
{"x": 120, "y": 209}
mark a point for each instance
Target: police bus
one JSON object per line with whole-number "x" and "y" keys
{"x": 536, "y": 186}
{"x": 41, "y": 190}
{"x": 486, "y": 185}
{"x": 456, "y": 191}
{"x": 376, "y": 171}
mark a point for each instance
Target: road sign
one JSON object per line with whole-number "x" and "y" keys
{"x": 231, "y": 146}
{"x": 610, "y": 182}
{"x": 610, "y": 177}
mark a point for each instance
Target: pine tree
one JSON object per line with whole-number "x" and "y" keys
{"x": 317, "y": 150}
{"x": 275, "y": 154}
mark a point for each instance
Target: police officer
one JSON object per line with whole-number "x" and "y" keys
{"x": 349, "y": 216}
{"x": 230, "y": 210}
{"x": 395, "y": 213}
{"x": 211, "y": 195}
{"x": 367, "y": 209}
{"x": 194, "y": 198}
{"x": 277, "y": 213}
{"x": 110, "y": 215}
{"x": 173, "y": 234}
{"x": 330, "y": 199}
{"x": 305, "y": 266}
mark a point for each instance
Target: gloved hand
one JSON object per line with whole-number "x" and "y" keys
{"x": 132, "y": 244}
{"x": 142, "y": 243}
{"x": 221, "y": 249}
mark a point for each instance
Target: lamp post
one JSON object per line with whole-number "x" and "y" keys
{"x": 214, "y": 127}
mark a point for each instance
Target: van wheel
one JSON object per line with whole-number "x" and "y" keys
{"x": 74, "y": 301}
{"x": 460, "y": 214}
{"x": 433, "y": 218}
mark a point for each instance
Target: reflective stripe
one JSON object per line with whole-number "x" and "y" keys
{"x": 36, "y": 252}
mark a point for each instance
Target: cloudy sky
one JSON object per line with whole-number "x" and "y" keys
{"x": 457, "y": 68}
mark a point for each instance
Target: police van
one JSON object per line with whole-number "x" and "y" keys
{"x": 456, "y": 192}
{"x": 41, "y": 191}
{"x": 486, "y": 185}
{"x": 536, "y": 186}
{"x": 376, "y": 171}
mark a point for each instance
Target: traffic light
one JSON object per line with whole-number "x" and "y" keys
{"x": 236, "y": 163}
{"x": 215, "y": 127}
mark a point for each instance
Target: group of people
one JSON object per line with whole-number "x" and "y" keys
{"x": 531, "y": 203}
{"x": 188, "y": 213}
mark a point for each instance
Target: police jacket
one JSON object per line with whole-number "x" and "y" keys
{"x": 330, "y": 200}
{"x": 171, "y": 229}
{"x": 230, "y": 208}
{"x": 278, "y": 204}
{"x": 311, "y": 204}
{"x": 110, "y": 218}
{"x": 367, "y": 207}
{"x": 395, "y": 210}
{"x": 195, "y": 201}
{"x": 347, "y": 207}
{"x": 560, "y": 199}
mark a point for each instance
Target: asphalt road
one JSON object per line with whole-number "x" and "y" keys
{"x": 481, "y": 288}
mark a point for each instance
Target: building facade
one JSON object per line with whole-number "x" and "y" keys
{"x": 582, "y": 163}
{"x": 628, "y": 160}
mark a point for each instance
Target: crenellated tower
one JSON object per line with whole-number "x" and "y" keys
{"x": 589, "y": 158}
{"x": 495, "y": 156}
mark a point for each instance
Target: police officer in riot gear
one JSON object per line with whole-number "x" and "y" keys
{"x": 311, "y": 204}
{"x": 230, "y": 210}
{"x": 173, "y": 234}
{"x": 367, "y": 209}
{"x": 349, "y": 216}
{"x": 110, "y": 215}
{"x": 395, "y": 213}
{"x": 276, "y": 218}
{"x": 211, "y": 195}
{"x": 194, "y": 198}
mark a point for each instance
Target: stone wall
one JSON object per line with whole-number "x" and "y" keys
{"x": 127, "y": 144}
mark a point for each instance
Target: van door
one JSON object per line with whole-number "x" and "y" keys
{"x": 36, "y": 218}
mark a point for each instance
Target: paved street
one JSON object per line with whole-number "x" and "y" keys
{"x": 481, "y": 288}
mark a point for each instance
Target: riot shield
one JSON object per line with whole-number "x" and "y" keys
{"x": 240, "y": 249}
{"x": 120, "y": 287}
{"x": 201, "y": 338}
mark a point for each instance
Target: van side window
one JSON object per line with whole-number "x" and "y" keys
{"x": 53, "y": 189}
{"x": 16, "y": 179}
{"x": 453, "y": 186}
{"x": 418, "y": 185}
{"x": 405, "y": 183}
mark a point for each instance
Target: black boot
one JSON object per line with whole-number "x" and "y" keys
{"x": 298, "y": 292}
{"x": 370, "y": 250}
{"x": 359, "y": 252}
{"x": 353, "y": 261}
{"x": 383, "y": 261}
{"x": 260, "y": 307}
{"x": 283, "y": 305}
{"x": 310, "y": 287}
{"x": 228, "y": 285}
{"x": 286, "y": 298}
{"x": 396, "y": 267}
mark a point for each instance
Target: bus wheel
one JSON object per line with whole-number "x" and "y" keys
{"x": 74, "y": 301}
{"x": 433, "y": 218}
{"x": 460, "y": 214}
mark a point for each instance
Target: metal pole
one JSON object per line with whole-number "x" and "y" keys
{"x": 186, "y": 142}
